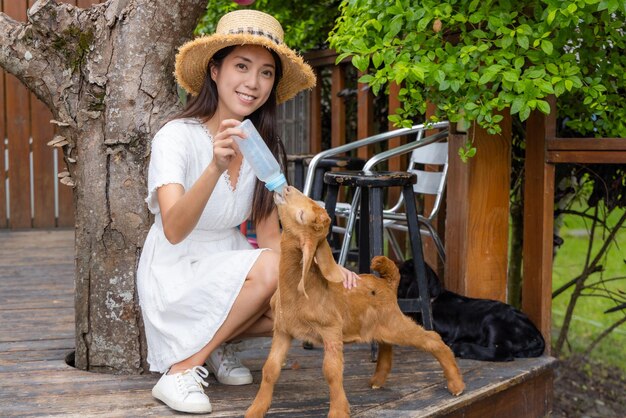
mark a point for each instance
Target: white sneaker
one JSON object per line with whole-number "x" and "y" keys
{"x": 227, "y": 367}
{"x": 183, "y": 391}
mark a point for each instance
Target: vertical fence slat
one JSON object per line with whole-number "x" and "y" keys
{"x": 315, "y": 118}
{"x": 338, "y": 107}
{"x": 43, "y": 165}
{"x": 3, "y": 196}
{"x": 17, "y": 127}
{"x": 365, "y": 116}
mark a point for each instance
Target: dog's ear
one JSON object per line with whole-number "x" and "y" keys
{"x": 326, "y": 263}
{"x": 308, "y": 251}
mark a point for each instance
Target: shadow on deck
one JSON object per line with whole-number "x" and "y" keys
{"x": 37, "y": 332}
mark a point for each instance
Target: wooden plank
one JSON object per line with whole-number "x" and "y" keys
{"x": 337, "y": 107}
{"x": 315, "y": 121}
{"x": 17, "y": 131}
{"x": 538, "y": 227}
{"x": 478, "y": 266}
{"x": 43, "y": 165}
{"x": 396, "y": 163}
{"x": 458, "y": 206}
{"x": 586, "y": 144}
{"x": 587, "y": 156}
{"x": 487, "y": 255}
{"x": 532, "y": 398}
{"x": 365, "y": 116}
{"x": 3, "y": 169}
{"x": 43, "y": 162}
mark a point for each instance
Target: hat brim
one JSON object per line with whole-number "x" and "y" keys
{"x": 194, "y": 56}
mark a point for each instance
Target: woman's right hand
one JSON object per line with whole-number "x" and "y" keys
{"x": 224, "y": 145}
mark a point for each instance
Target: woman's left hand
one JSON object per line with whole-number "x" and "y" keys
{"x": 350, "y": 278}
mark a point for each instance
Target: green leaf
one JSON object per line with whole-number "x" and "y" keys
{"x": 543, "y": 106}
{"x": 551, "y": 16}
{"x": 522, "y": 41}
{"x": 361, "y": 62}
{"x": 546, "y": 46}
{"x": 517, "y": 104}
{"x": 366, "y": 79}
{"x": 572, "y": 7}
{"x": 377, "y": 59}
{"x": 553, "y": 69}
{"x": 524, "y": 113}
{"x": 569, "y": 84}
{"x": 511, "y": 76}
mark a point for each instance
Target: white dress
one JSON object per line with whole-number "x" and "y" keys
{"x": 187, "y": 290}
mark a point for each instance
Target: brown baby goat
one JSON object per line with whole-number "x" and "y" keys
{"x": 311, "y": 304}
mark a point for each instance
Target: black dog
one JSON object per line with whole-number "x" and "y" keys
{"x": 479, "y": 329}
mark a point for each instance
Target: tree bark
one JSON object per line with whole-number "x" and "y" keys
{"x": 106, "y": 74}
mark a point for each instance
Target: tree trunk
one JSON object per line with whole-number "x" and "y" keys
{"x": 106, "y": 74}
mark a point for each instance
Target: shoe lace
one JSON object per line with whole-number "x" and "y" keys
{"x": 230, "y": 361}
{"x": 192, "y": 380}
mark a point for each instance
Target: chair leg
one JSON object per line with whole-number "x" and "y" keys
{"x": 418, "y": 256}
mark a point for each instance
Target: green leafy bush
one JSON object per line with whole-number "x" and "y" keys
{"x": 475, "y": 58}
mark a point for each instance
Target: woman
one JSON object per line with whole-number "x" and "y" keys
{"x": 200, "y": 283}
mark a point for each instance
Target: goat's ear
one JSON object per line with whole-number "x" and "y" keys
{"x": 308, "y": 251}
{"x": 326, "y": 263}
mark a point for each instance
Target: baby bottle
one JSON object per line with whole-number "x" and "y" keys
{"x": 259, "y": 156}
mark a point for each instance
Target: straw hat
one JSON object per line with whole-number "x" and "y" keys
{"x": 238, "y": 28}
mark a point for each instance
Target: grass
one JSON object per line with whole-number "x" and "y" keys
{"x": 589, "y": 317}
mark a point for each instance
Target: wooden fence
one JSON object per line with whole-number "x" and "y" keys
{"x": 30, "y": 195}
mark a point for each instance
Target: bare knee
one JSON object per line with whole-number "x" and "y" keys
{"x": 264, "y": 273}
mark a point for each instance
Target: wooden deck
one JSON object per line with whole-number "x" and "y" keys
{"x": 37, "y": 332}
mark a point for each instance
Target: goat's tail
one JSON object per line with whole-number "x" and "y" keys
{"x": 387, "y": 270}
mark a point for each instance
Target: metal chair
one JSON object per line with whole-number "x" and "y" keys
{"x": 432, "y": 151}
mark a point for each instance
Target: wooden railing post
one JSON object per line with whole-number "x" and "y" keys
{"x": 538, "y": 224}
{"x": 478, "y": 215}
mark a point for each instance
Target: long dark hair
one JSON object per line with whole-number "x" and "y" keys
{"x": 204, "y": 106}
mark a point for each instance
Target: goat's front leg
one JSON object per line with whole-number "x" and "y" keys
{"x": 333, "y": 371}
{"x": 271, "y": 371}
{"x": 407, "y": 333}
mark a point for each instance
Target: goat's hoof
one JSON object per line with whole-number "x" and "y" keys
{"x": 456, "y": 388}
{"x": 338, "y": 414}
{"x": 376, "y": 383}
{"x": 255, "y": 413}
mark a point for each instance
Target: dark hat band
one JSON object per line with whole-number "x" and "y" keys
{"x": 255, "y": 31}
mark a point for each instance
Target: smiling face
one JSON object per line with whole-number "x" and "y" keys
{"x": 244, "y": 81}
